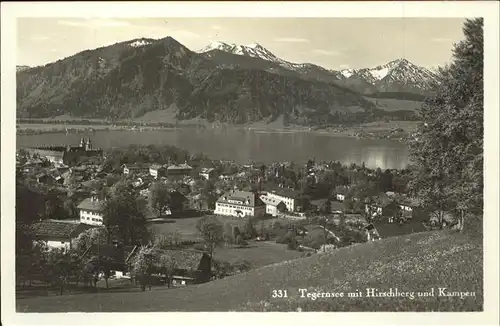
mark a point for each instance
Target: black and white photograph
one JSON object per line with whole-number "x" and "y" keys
{"x": 265, "y": 163}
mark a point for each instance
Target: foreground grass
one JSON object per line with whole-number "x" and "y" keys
{"x": 417, "y": 262}
{"x": 186, "y": 227}
{"x": 259, "y": 254}
{"x": 39, "y": 289}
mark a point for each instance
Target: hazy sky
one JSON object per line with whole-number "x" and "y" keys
{"x": 333, "y": 43}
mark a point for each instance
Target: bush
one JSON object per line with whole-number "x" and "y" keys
{"x": 199, "y": 246}
{"x": 292, "y": 244}
{"x": 281, "y": 236}
{"x": 242, "y": 266}
{"x": 240, "y": 241}
{"x": 249, "y": 229}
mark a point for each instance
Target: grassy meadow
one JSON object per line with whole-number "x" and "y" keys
{"x": 416, "y": 262}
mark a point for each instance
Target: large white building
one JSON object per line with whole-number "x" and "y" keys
{"x": 240, "y": 204}
{"x": 91, "y": 211}
{"x": 274, "y": 207}
{"x": 287, "y": 196}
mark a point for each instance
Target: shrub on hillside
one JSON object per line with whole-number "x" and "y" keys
{"x": 249, "y": 229}
{"x": 281, "y": 236}
{"x": 199, "y": 246}
{"x": 240, "y": 241}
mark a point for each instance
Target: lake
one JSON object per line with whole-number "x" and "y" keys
{"x": 243, "y": 146}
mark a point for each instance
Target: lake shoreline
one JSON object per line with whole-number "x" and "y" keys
{"x": 397, "y": 130}
{"x": 236, "y": 144}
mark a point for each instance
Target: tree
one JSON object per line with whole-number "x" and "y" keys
{"x": 448, "y": 149}
{"x": 249, "y": 229}
{"x": 326, "y": 232}
{"x": 144, "y": 264}
{"x": 328, "y": 207}
{"x": 124, "y": 214}
{"x": 88, "y": 238}
{"x": 291, "y": 241}
{"x": 348, "y": 204}
{"x": 385, "y": 180}
{"x": 212, "y": 232}
{"x": 364, "y": 190}
{"x": 236, "y": 232}
{"x": 70, "y": 209}
{"x": 228, "y": 233}
{"x": 101, "y": 264}
{"x": 69, "y": 180}
{"x": 168, "y": 240}
{"x": 58, "y": 267}
{"x": 54, "y": 206}
{"x": 222, "y": 268}
{"x": 159, "y": 197}
{"x": 263, "y": 231}
{"x": 400, "y": 183}
{"x": 240, "y": 241}
{"x": 167, "y": 265}
{"x": 208, "y": 187}
{"x": 30, "y": 258}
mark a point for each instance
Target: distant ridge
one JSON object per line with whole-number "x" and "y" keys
{"x": 399, "y": 75}
{"x": 228, "y": 83}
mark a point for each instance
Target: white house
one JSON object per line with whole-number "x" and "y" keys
{"x": 287, "y": 196}
{"x": 91, "y": 211}
{"x": 226, "y": 177}
{"x": 340, "y": 193}
{"x": 139, "y": 168}
{"x": 273, "y": 206}
{"x": 408, "y": 204}
{"x": 207, "y": 173}
{"x": 157, "y": 170}
{"x": 179, "y": 170}
{"x": 240, "y": 204}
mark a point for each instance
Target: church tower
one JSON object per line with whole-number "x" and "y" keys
{"x": 82, "y": 142}
{"x": 88, "y": 145}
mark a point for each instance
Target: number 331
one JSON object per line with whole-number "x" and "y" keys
{"x": 279, "y": 294}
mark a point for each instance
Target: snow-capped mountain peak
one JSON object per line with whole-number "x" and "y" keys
{"x": 251, "y": 50}
{"x": 139, "y": 43}
{"x": 397, "y": 72}
{"x": 218, "y": 45}
{"x": 347, "y": 72}
{"x": 396, "y": 75}
{"x": 254, "y": 46}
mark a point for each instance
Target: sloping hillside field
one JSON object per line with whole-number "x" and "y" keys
{"x": 430, "y": 271}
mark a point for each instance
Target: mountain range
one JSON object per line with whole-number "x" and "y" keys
{"x": 399, "y": 75}
{"x": 226, "y": 83}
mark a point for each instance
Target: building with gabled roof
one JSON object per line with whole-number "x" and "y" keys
{"x": 289, "y": 197}
{"x": 340, "y": 193}
{"x": 138, "y": 168}
{"x": 58, "y": 233}
{"x": 157, "y": 170}
{"x": 240, "y": 203}
{"x": 91, "y": 211}
{"x": 207, "y": 173}
{"x": 65, "y": 154}
{"x": 179, "y": 170}
{"x": 190, "y": 266}
{"x": 274, "y": 206}
{"x": 385, "y": 228}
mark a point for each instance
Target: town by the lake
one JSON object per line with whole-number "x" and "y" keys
{"x": 152, "y": 176}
